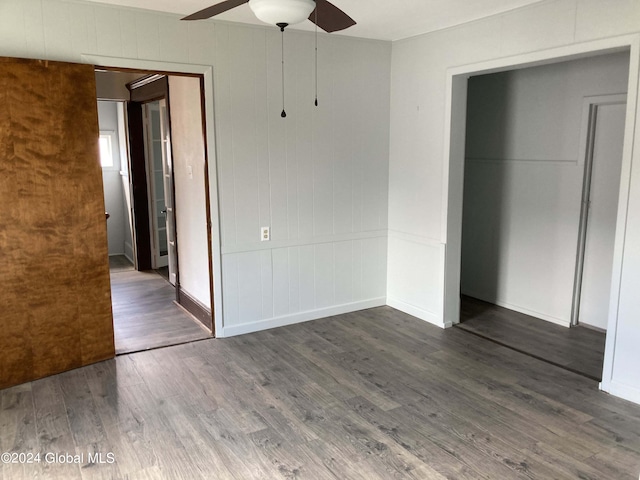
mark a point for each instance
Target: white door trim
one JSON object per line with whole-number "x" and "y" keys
{"x": 453, "y": 171}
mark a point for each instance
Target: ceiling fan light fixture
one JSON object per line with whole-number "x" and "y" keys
{"x": 277, "y": 12}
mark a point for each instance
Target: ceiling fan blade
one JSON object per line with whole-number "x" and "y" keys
{"x": 330, "y": 17}
{"x": 214, "y": 10}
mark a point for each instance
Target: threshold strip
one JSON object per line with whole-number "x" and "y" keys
{"x": 529, "y": 354}
{"x": 164, "y": 346}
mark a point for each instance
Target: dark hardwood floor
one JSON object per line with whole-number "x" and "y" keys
{"x": 145, "y": 315}
{"x": 369, "y": 395}
{"x": 579, "y": 349}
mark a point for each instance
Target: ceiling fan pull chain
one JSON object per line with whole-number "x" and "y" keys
{"x": 316, "y": 22}
{"x": 282, "y": 25}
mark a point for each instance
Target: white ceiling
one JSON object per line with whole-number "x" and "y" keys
{"x": 379, "y": 19}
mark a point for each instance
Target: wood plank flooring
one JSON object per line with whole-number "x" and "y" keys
{"x": 119, "y": 263}
{"x": 578, "y": 349}
{"x": 145, "y": 315}
{"x": 369, "y": 395}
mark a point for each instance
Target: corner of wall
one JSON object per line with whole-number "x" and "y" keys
{"x": 418, "y": 312}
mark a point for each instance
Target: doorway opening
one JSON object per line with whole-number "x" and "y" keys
{"x": 161, "y": 293}
{"x": 520, "y": 190}
{"x": 115, "y": 181}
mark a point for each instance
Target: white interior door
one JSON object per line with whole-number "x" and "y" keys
{"x": 603, "y": 206}
{"x": 154, "y": 150}
{"x": 169, "y": 207}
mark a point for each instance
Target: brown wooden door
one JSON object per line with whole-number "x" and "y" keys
{"x": 55, "y": 299}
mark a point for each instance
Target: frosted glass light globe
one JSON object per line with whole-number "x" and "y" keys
{"x": 288, "y": 12}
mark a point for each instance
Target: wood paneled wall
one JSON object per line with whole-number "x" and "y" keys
{"x": 54, "y": 276}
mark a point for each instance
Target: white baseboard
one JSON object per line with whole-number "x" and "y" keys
{"x": 621, "y": 390}
{"x": 517, "y": 308}
{"x": 418, "y": 312}
{"x": 128, "y": 248}
{"x": 250, "y": 327}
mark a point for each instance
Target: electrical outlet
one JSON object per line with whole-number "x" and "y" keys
{"x": 264, "y": 234}
{"x": 190, "y": 172}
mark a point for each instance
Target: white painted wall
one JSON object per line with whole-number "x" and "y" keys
{"x": 417, "y": 177}
{"x": 187, "y": 141}
{"x": 319, "y": 178}
{"x": 112, "y": 85}
{"x": 523, "y": 182}
{"x": 112, "y": 182}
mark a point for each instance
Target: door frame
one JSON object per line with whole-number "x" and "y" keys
{"x": 205, "y": 72}
{"x": 453, "y": 171}
{"x": 589, "y": 115}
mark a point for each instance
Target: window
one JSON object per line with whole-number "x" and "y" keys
{"x": 106, "y": 151}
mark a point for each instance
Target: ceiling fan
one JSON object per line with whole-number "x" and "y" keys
{"x": 283, "y": 13}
